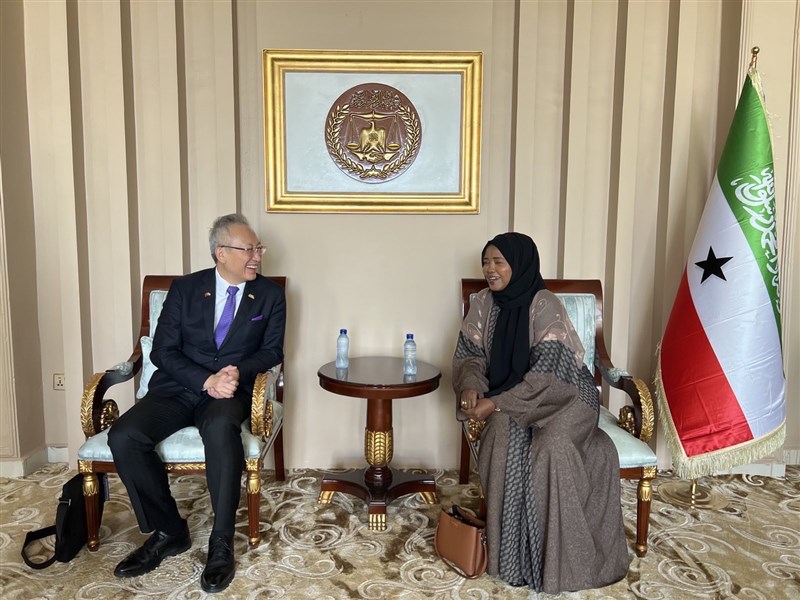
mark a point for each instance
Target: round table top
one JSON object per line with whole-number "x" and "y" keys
{"x": 378, "y": 377}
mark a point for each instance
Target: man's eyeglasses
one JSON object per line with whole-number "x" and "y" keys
{"x": 252, "y": 251}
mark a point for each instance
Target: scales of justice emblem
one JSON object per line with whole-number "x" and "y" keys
{"x": 373, "y": 132}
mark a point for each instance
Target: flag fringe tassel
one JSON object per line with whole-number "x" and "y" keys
{"x": 710, "y": 463}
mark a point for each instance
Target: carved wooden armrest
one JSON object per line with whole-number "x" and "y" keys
{"x": 97, "y": 413}
{"x": 637, "y": 419}
{"x": 264, "y": 391}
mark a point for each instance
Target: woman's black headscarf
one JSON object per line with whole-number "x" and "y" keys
{"x": 511, "y": 343}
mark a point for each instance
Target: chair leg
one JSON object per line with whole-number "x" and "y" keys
{"x": 91, "y": 503}
{"x": 463, "y": 473}
{"x": 644, "y": 495}
{"x": 253, "y": 506}
{"x": 277, "y": 450}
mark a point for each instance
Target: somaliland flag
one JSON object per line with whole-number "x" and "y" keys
{"x": 720, "y": 380}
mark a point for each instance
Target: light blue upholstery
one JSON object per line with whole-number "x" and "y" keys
{"x": 148, "y": 368}
{"x": 632, "y": 451}
{"x": 580, "y": 310}
{"x": 157, "y": 298}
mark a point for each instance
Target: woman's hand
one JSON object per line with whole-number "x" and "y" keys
{"x": 469, "y": 399}
{"x": 481, "y": 410}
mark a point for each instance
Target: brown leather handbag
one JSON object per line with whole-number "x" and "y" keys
{"x": 460, "y": 541}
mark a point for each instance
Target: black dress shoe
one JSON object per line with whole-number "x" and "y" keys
{"x": 220, "y": 565}
{"x": 150, "y": 554}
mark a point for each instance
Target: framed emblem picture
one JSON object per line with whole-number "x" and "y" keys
{"x": 392, "y": 132}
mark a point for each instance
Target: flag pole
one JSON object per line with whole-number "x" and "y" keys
{"x": 754, "y": 57}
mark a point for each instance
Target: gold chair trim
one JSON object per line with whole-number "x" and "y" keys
{"x": 474, "y": 429}
{"x": 87, "y": 403}
{"x": 645, "y": 491}
{"x": 108, "y": 414}
{"x": 627, "y": 419}
{"x": 648, "y": 414}
{"x": 257, "y": 412}
{"x": 253, "y": 482}
{"x": 170, "y": 467}
{"x": 90, "y": 487}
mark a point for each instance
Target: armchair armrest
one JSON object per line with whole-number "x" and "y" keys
{"x": 637, "y": 419}
{"x": 268, "y": 386}
{"x": 98, "y": 414}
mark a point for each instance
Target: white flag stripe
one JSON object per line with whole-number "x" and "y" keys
{"x": 737, "y": 316}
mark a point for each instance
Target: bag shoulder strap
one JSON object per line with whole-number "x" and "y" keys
{"x": 31, "y": 537}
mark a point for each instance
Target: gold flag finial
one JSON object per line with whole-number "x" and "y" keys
{"x": 754, "y": 56}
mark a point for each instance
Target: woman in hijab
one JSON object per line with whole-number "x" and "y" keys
{"x": 550, "y": 476}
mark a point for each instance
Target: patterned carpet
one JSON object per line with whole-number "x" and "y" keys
{"x": 749, "y": 550}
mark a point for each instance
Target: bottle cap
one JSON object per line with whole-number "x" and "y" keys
{"x": 409, "y": 336}
{"x": 343, "y": 331}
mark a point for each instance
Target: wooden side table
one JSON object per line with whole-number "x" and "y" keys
{"x": 379, "y": 380}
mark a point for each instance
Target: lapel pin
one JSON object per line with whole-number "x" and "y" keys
{"x": 251, "y": 296}
{"x": 206, "y": 294}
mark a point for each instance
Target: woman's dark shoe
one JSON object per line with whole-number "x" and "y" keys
{"x": 220, "y": 566}
{"x": 150, "y": 554}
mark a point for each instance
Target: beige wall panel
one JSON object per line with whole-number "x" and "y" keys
{"x": 538, "y": 135}
{"x": 9, "y": 439}
{"x": 211, "y": 134}
{"x": 23, "y": 365}
{"x": 51, "y": 173}
{"x": 692, "y": 157}
{"x": 106, "y": 178}
{"x": 632, "y": 339}
{"x": 589, "y": 157}
{"x": 249, "y": 95}
{"x": 498, "y": 81}
{"x": 380, "y": 275}
{"x": 158, "y": 168}
{"x": 791, "y": 256}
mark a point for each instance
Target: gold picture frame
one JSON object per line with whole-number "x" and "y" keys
{"x": 431, "y": 166}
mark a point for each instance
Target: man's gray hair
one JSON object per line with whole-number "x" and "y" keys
{"x": 220, "y": 230}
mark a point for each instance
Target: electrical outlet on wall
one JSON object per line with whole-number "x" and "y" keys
{"x": 59, "y": 381}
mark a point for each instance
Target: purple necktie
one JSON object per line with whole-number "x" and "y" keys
{"x": 226, "y": 318}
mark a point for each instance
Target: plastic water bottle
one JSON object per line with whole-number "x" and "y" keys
{"x": 342, "y": 350}
{"x": 410, "y": 355}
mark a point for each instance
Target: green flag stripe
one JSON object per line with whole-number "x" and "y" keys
{"x": 747, "y": 180}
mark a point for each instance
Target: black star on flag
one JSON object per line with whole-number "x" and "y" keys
{"x": 713, "y": 265}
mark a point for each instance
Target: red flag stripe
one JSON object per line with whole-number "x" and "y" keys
{"x": 703, "y": 407}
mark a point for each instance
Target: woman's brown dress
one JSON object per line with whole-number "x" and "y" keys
{"x": 549, "y": 474}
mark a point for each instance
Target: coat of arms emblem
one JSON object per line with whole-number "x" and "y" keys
{"x": 373, "y": 132}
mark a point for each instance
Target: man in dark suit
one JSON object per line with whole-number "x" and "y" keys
{"x": 218, "y": 329}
